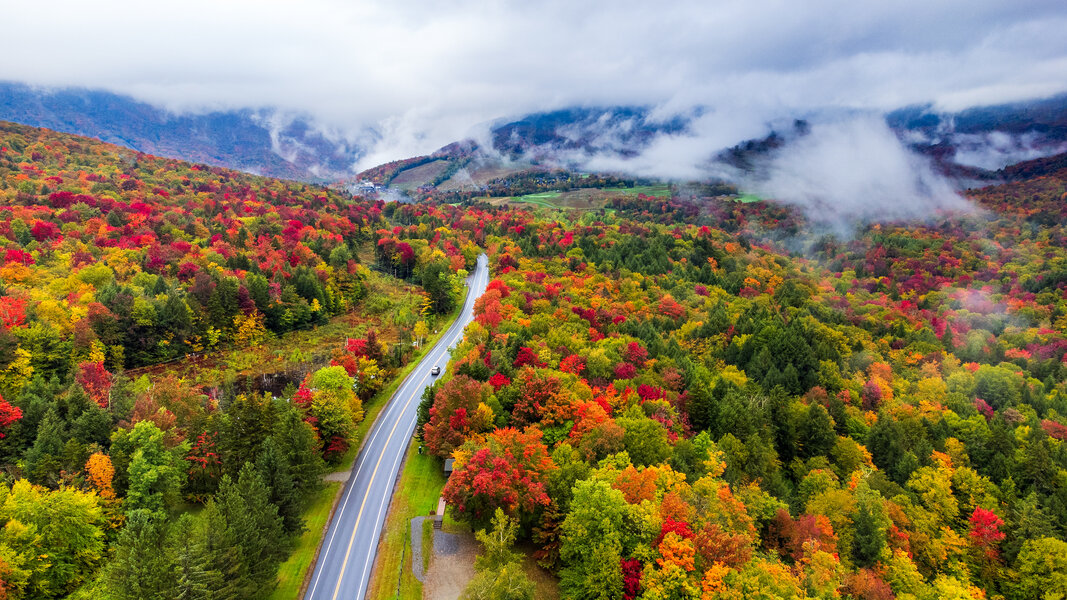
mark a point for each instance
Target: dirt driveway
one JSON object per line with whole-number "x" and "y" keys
{"x": 451, "y": 566}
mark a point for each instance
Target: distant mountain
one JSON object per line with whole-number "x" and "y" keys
{"x": 969, "y": 145}
{"x": 520, "y": 149}
{"x": 255, "y": 141}
{"x": 577, "y": 132}
{"x": 987, "y": 137}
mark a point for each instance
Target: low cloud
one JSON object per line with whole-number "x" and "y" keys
{"x": 998, "y": 149}
{"x": 855, "y": 169}
{"x": 840, "y": 167}
{"x": 685, "y": 155}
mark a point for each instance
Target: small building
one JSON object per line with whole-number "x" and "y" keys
{"x": 439, "y": 515}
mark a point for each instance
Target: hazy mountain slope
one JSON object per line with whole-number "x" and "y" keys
{"x": 987, "y": 137}
{"x": 252, "y": 141}
{"x": 966, "y": 145}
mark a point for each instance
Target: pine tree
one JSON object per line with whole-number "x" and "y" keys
{"x": 701, "y": 405}
{"x": 791, "y": 380}
{"x": 195, "y": 577}
{"x": 300, "y": 446}
{"x": 870, "y": 538}
{"x": 273, "y": 467}
{"x": 228, "y": 578}
{"x": 42, "y": 461}
{"x": 245, "y": 425}
{"x": 817, "y": 432}
{"x": 141, "y": 568}
{"x": 947, "y": 339}
{"x": 255, "y": 526}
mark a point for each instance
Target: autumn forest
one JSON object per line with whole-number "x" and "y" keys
{"x": 664, "y": 397}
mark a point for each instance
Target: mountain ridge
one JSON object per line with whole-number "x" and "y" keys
{"x": 969, "y": 145}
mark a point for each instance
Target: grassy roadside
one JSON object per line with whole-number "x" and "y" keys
{"x": 294, "y": 570}
{"x": 416, "y": 495}
{"x": 420, "y": 485}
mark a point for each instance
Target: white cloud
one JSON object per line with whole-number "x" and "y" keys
{"x": 424, "y": 73}
{"x": 856, "y": 169}
{"x": 998, "y": 149}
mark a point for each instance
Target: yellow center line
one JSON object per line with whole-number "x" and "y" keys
{"x": 366, "y": 561}
{"x": 359, "y": 515}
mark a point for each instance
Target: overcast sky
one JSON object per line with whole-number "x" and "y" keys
{"x": 426, "y": 72}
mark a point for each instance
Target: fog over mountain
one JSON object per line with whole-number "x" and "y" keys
{"x": 423, "y": 74}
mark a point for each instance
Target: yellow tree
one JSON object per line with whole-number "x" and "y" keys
{"x": 249, "y": 330}
{"x": 420, "y": 331}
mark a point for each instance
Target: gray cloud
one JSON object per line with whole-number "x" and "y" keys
{"x": 425, "y": 73}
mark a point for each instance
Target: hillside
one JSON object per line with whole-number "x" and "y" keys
{"x": 255, "y": 141}
{"x": 967, "y": 145}
{"x": 126, "y": 239}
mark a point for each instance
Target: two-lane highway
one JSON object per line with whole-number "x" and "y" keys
{"x": 344, "y": 565}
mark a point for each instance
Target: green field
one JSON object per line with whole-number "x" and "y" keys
{"x": 583, "y": 198}
{"x": 658, "y": 191}
{"x": 541, "y": 199}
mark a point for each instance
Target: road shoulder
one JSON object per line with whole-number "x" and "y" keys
{"x": 416, "y": 493}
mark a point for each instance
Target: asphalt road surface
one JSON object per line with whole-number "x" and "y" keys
{"x": 345, "y": 563}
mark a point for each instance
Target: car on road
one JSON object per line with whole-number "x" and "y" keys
{"x": 435, "y": 371}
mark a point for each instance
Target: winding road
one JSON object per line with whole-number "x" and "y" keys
{"x": 345, "y": 563}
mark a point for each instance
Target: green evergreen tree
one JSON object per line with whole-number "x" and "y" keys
{"x": 435, "y": 281}
{"x": 43, "y": 459}
{"x": 869, "y": 536}
{"x": 256, "y": 527}
{"x": 817, "y": 432}
{"x": 274, "y": 470}
{"x": 93, "y": 426}
{"x": 141, "y": 568}
{"x": 300, "y": 446}
{"x": 701, "y": 404}
{"x": 248, "y": 420}
{"x": 195, "y": 576}
{"x": 790, "y": 380}
{"x": 228, "y": 577}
